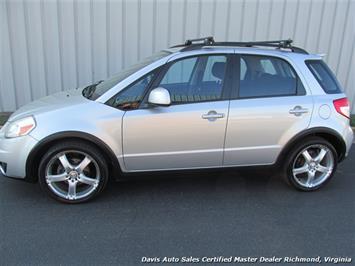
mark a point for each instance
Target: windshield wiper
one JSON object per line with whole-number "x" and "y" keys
{"x": 89, "y": 90}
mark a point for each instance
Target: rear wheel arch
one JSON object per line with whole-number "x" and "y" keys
{"x": 327, "y": 134}
{"x": 39, "y": 150}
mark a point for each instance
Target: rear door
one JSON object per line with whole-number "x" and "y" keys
{"x": 188, "y": 134}
{"x": 269, "y": 105}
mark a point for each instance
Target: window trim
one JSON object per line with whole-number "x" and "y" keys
{"x": 228, "y": 82}
{"x": 235, "y": 91}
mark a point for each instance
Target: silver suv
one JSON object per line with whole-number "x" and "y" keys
{"x": 203, "y": 104}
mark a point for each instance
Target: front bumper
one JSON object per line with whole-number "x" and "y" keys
{"x": 13, "y": 155}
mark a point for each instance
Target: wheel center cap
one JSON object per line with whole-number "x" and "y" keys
{"x": 73, "y": 175}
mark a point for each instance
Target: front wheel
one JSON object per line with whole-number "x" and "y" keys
{"x": 73, "y": 172}
{"x": 311, "y": 165}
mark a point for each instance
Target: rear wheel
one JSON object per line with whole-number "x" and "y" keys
{"x": 73, "y": 172}
{"x": 311, "y": 164}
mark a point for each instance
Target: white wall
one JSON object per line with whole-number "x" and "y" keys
{"x": 48, "y": 46}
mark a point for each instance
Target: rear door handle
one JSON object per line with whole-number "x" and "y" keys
{"x": 212, "y": 116}
{"x": 298, "y": 110}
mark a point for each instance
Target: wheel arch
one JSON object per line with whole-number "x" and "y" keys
{"x": 328, "y": 134}
{"x": 37, "y": 152}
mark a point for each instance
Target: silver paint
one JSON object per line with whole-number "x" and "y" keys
{"x": 187, "y": 136}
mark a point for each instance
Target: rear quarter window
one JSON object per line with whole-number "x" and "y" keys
{"x": 324, "y": 76}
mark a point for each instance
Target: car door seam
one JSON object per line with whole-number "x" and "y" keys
{"x": 225, "y": 132}
{"x": 122, "y": 141}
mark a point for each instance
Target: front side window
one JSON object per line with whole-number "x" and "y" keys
{"x": 195, "y": 79}
{"x": 131, "y": 97}
{"x": 263, "y": 76}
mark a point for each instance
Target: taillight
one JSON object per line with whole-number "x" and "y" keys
{"x": 342, "y": 107}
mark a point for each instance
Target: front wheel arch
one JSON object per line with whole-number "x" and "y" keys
{"x": 39, "y": 150}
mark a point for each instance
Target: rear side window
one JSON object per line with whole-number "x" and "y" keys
{"x": 264, "y": 76}
{"x": 324, "y": 76}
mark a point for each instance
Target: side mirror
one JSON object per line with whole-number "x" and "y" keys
{"x": 160, "y": 97}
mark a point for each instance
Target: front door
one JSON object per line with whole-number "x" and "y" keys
{"x": 188, "y": 134}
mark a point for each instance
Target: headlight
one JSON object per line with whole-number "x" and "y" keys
{"x": 20, "y": 127}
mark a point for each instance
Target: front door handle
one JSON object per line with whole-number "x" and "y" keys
{"x": 298, "y": 110}
{"x": 212, "y": 116}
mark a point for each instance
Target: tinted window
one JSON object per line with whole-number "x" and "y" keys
{"x": 268, "y": 66}
{"x": 131, "y": 97}
{"x": 262, "y": 76}
{"x": 195, "y": 79}
{"x": 243, "y": 69}
{"x": 211, "y": 62}
{"x": 324, "y": 76}
{"x": 180, "y": 72}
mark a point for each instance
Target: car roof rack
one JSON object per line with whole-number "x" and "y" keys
{"x": 194, "y": 44}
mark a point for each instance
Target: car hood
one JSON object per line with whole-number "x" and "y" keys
{"x": 53, "y": 102}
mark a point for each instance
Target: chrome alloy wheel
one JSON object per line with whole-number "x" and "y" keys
{"x": 72, "y": 175}
{"x": 313, "y": 165}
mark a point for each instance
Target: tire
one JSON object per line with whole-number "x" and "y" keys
{"x": 73, "y": 172}
{"x": 311, "y": 164}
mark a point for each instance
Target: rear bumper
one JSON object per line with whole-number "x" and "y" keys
{"x": 13, "y": 155}
{"x": 3, "y": 168}
{"x": 348, "y": 138}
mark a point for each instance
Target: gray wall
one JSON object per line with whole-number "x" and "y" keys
{"x": 48, "y": 46}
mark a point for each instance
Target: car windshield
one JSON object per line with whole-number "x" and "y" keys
{"x": 97, "y": 89}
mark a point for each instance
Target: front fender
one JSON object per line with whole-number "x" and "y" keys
{"x": 93, "y": 122}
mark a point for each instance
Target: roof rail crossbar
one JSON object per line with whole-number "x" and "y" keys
{"x": 279, "y": 43}
{"x": 206, "y": 41}
{"x": 200, "y": 41}
{"x": 209, "y": 41}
